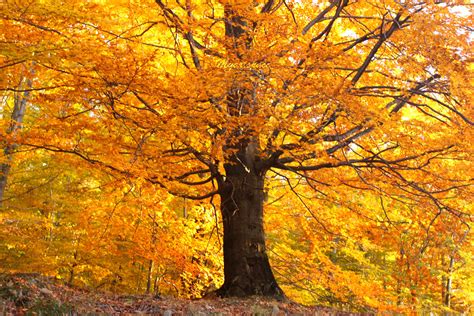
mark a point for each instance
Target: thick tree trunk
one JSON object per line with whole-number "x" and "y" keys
{"x": 246, "y": 267}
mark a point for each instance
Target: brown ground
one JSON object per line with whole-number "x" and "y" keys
{"x": 32, "y": 294}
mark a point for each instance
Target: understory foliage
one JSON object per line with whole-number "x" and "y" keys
{"x": 119, "y": 121}
{"x": 92, "y": 230}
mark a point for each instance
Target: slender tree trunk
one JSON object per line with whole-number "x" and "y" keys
{"x": 149, "y": 277}
{"x": 139, "y": 277}
{"x": 4, "y": 171}
{"x": 155, "y": 284}
{"x": 448, "y": 284}
{"x": 154, "y": 227}
{"x": 19, "y": 110}
{"x": 246, "y": 267}
{"x": 71, "y": 274}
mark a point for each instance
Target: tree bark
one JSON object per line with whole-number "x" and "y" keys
{"x": 4, "y": 171}
{"x": 19, "y": 110}
{"x": 149, "y": 277}
{"x": 246, "y": 267}
{"x": 448, "y": 284}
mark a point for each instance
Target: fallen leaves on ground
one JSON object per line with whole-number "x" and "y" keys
{"x": 33, "y": 294}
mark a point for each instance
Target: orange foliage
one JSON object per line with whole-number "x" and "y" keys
{"x": 360, "y": 111}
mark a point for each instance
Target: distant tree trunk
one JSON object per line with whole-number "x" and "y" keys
{"x": 154, "y": 227}
{"x": 4, "y": 171}
{"x": 246, "y": 267}
{"x": 72, "y": 268}
{"x": 19, "y": 110}
{"x": 149, "y": 277}
{"x": 448, "y": 284}
{"x": 71, "y": 274}
{"x": 155, "y": 284}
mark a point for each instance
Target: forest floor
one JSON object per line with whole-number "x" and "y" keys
{"x": 32, "y": 294}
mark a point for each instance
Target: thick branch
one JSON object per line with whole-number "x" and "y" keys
{"x": 396, "y": 24}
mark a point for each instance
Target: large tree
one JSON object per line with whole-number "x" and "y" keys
{"x": 207, "y": 99}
